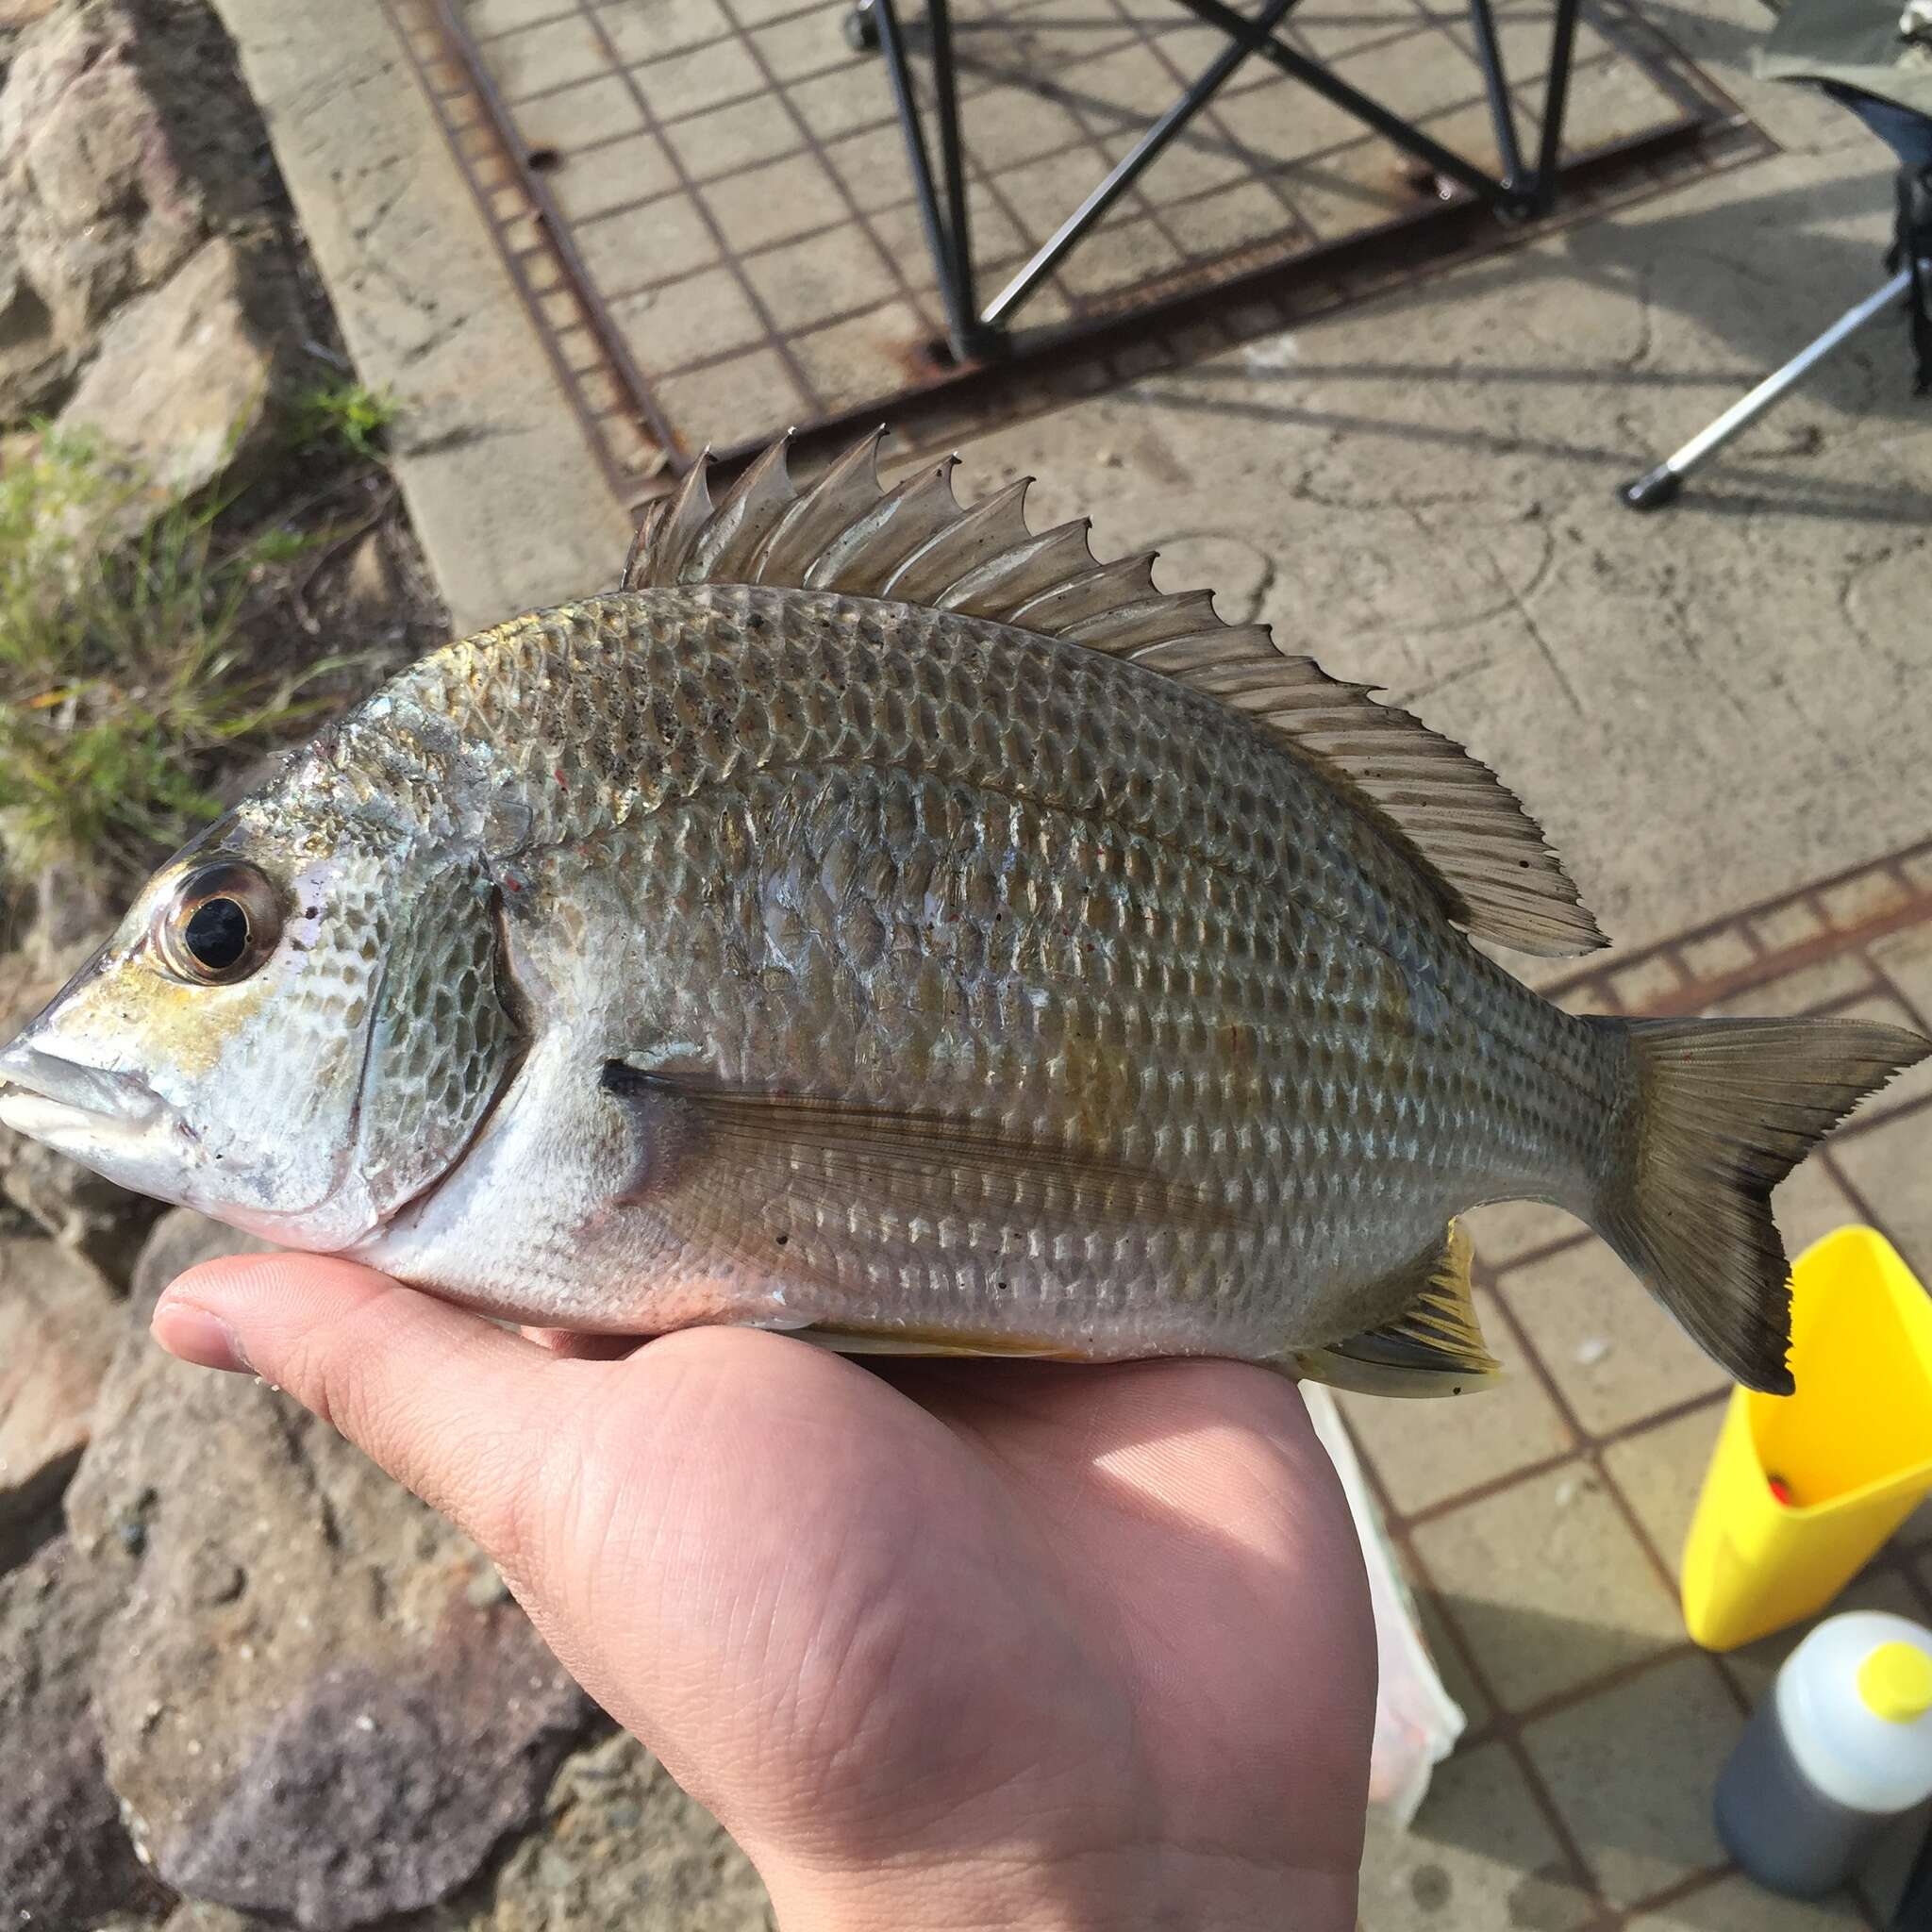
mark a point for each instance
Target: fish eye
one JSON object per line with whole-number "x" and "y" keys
{"x": 218, "y": 924}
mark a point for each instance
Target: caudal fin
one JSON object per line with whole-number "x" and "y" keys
{"x": 1727, "y": 1109}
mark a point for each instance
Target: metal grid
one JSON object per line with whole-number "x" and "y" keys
{"x": 1824, "y": 950}
{"x": 706, "y": 208}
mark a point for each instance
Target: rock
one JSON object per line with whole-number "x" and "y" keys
{"x": 15, "y": 14}
{"x": 93, "y": 202}
{"x": 370, "y": 584}
{"x": 78, "y": 1208}
{"x": 60, "y": 1325}
{"x": 99, "y": 1220}
{"x": 178, "y": 1239}
{"x": 310, "y": 1709}
{"x": 623, "y": 1845}
{"x": 183, "y": 387}
{"x": 65, "y": 1858}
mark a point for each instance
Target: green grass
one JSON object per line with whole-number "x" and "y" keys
{"x": 127, "y": 677}
{"x": 344, "y": 415}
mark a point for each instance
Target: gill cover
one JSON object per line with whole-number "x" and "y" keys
{"x": 444, "y": 1039}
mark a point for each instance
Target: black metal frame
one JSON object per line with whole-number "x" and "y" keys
{"x": 980, "y": 335}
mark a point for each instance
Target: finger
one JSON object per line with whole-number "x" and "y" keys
{"x": 570, "y": 1345}
{"x": 458, "y": 1410}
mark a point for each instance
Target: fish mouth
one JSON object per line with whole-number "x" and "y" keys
{"x": 42, "y": 1092}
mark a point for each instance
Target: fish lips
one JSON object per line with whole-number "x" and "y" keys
{"x": 93, "y": 1114}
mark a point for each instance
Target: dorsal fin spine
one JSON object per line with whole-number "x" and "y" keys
{"x": 1443, "y": 811}
{"x": 995, "y": 588}
{"x": 990, "y": 526}
{"x": 864, "y": 560}
{"x": 1053, "y": 609}
{"x": 752, "y": 506}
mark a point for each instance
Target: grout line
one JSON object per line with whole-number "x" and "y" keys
{"x": 1501, "y": 1727}
{"x": 781, "y": 91}
{"x": 1921, "y": 1017}
{"x": 1687, "y": 1886}
{"x": 1775, "y": 964}
{"x": 1492, "y": 1485}
{"x": 774, "y": 337}
{"x": 1827, "y": 1157}
{"x": 940, "y": 411}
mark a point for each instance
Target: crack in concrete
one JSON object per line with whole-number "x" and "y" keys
{"x": 1646, "y": 322}
{"x": 1409, "y": 697}
{"x": 1519, "y": 601}
{"x": 1678, "y": 615}
{"x": 1861, "y": 568}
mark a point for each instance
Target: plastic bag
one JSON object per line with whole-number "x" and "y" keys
{"x": 1417, "y": 1721}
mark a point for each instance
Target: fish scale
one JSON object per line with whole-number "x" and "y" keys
{"x": 1171, "y": 925}
{"x": 877, "y": 920}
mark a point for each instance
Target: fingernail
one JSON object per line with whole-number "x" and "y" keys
{"x": 198, "y": 1337}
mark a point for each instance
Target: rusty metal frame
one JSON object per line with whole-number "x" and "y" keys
{"x": 1246, "y": 290}
{"x": 978, "y": 333}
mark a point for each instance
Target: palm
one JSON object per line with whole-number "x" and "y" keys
{"x": 971, "y": 1609}
{"x": 952, "y": 1618}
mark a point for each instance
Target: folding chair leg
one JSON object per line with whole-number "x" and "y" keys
{"x": 1656, "y": 487}
{"x": 861, "y": 28}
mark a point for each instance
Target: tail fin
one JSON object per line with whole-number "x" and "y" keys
{"x": 1725, "y": 1109}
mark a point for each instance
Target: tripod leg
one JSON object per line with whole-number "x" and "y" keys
{"x": 1657, "y": 487}
{"x": 861, "y": 28}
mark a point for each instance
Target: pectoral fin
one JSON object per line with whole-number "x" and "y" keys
{"x": 1433, "y": 1347}
{"x": 812, "y": 1151}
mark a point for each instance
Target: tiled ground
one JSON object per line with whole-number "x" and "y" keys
{"x": 1543, "y": 1524}
{"x": 735, "y": 187}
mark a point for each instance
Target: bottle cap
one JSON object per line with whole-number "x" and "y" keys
{"x": 1895, "y": 1682}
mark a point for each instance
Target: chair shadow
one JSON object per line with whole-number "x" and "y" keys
{"x": 1785, "y": 245}
{"x": 1475, "y": 1804}
{"x": 1777, "y": 240}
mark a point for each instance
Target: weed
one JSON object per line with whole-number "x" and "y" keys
{"x": 346, "y": 415}
{"x": 125, "y": 676}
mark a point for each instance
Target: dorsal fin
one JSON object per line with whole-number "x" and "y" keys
{"x": 1464, "y": 829}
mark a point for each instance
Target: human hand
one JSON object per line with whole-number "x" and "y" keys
{"x": 959, "y": 1645}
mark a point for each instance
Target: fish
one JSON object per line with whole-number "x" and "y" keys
{"x": 877, "y": 920}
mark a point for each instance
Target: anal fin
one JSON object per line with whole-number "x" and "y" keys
{"x": 1433, "y": 1347}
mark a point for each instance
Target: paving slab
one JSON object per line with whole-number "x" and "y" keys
{"x": 1631, "y": 1770}
{"x": 511, "y": 511}
{"x": 1546, "y": 1552}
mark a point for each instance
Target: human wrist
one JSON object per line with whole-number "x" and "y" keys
{"x": 1135, "y": 1889}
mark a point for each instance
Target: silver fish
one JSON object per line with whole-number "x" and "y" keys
{"x": 879, "y": 921}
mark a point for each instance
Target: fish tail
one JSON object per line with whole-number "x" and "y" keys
{"x": 1723, "y": 1110}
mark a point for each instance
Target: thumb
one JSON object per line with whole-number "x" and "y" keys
{"x": 455, "y": 1408}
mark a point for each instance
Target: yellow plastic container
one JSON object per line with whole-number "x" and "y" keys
{"x": 1852, "y": 1450}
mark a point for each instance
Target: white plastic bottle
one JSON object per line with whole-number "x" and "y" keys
{"x": 1839, "y": 1748}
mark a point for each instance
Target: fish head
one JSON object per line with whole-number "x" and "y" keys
{"x": 259, "y": 1039}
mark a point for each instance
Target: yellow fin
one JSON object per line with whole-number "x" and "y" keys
{"x": 1433, "y": 1347}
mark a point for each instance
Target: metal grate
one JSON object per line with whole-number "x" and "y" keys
{"x": 706, "y": 208}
